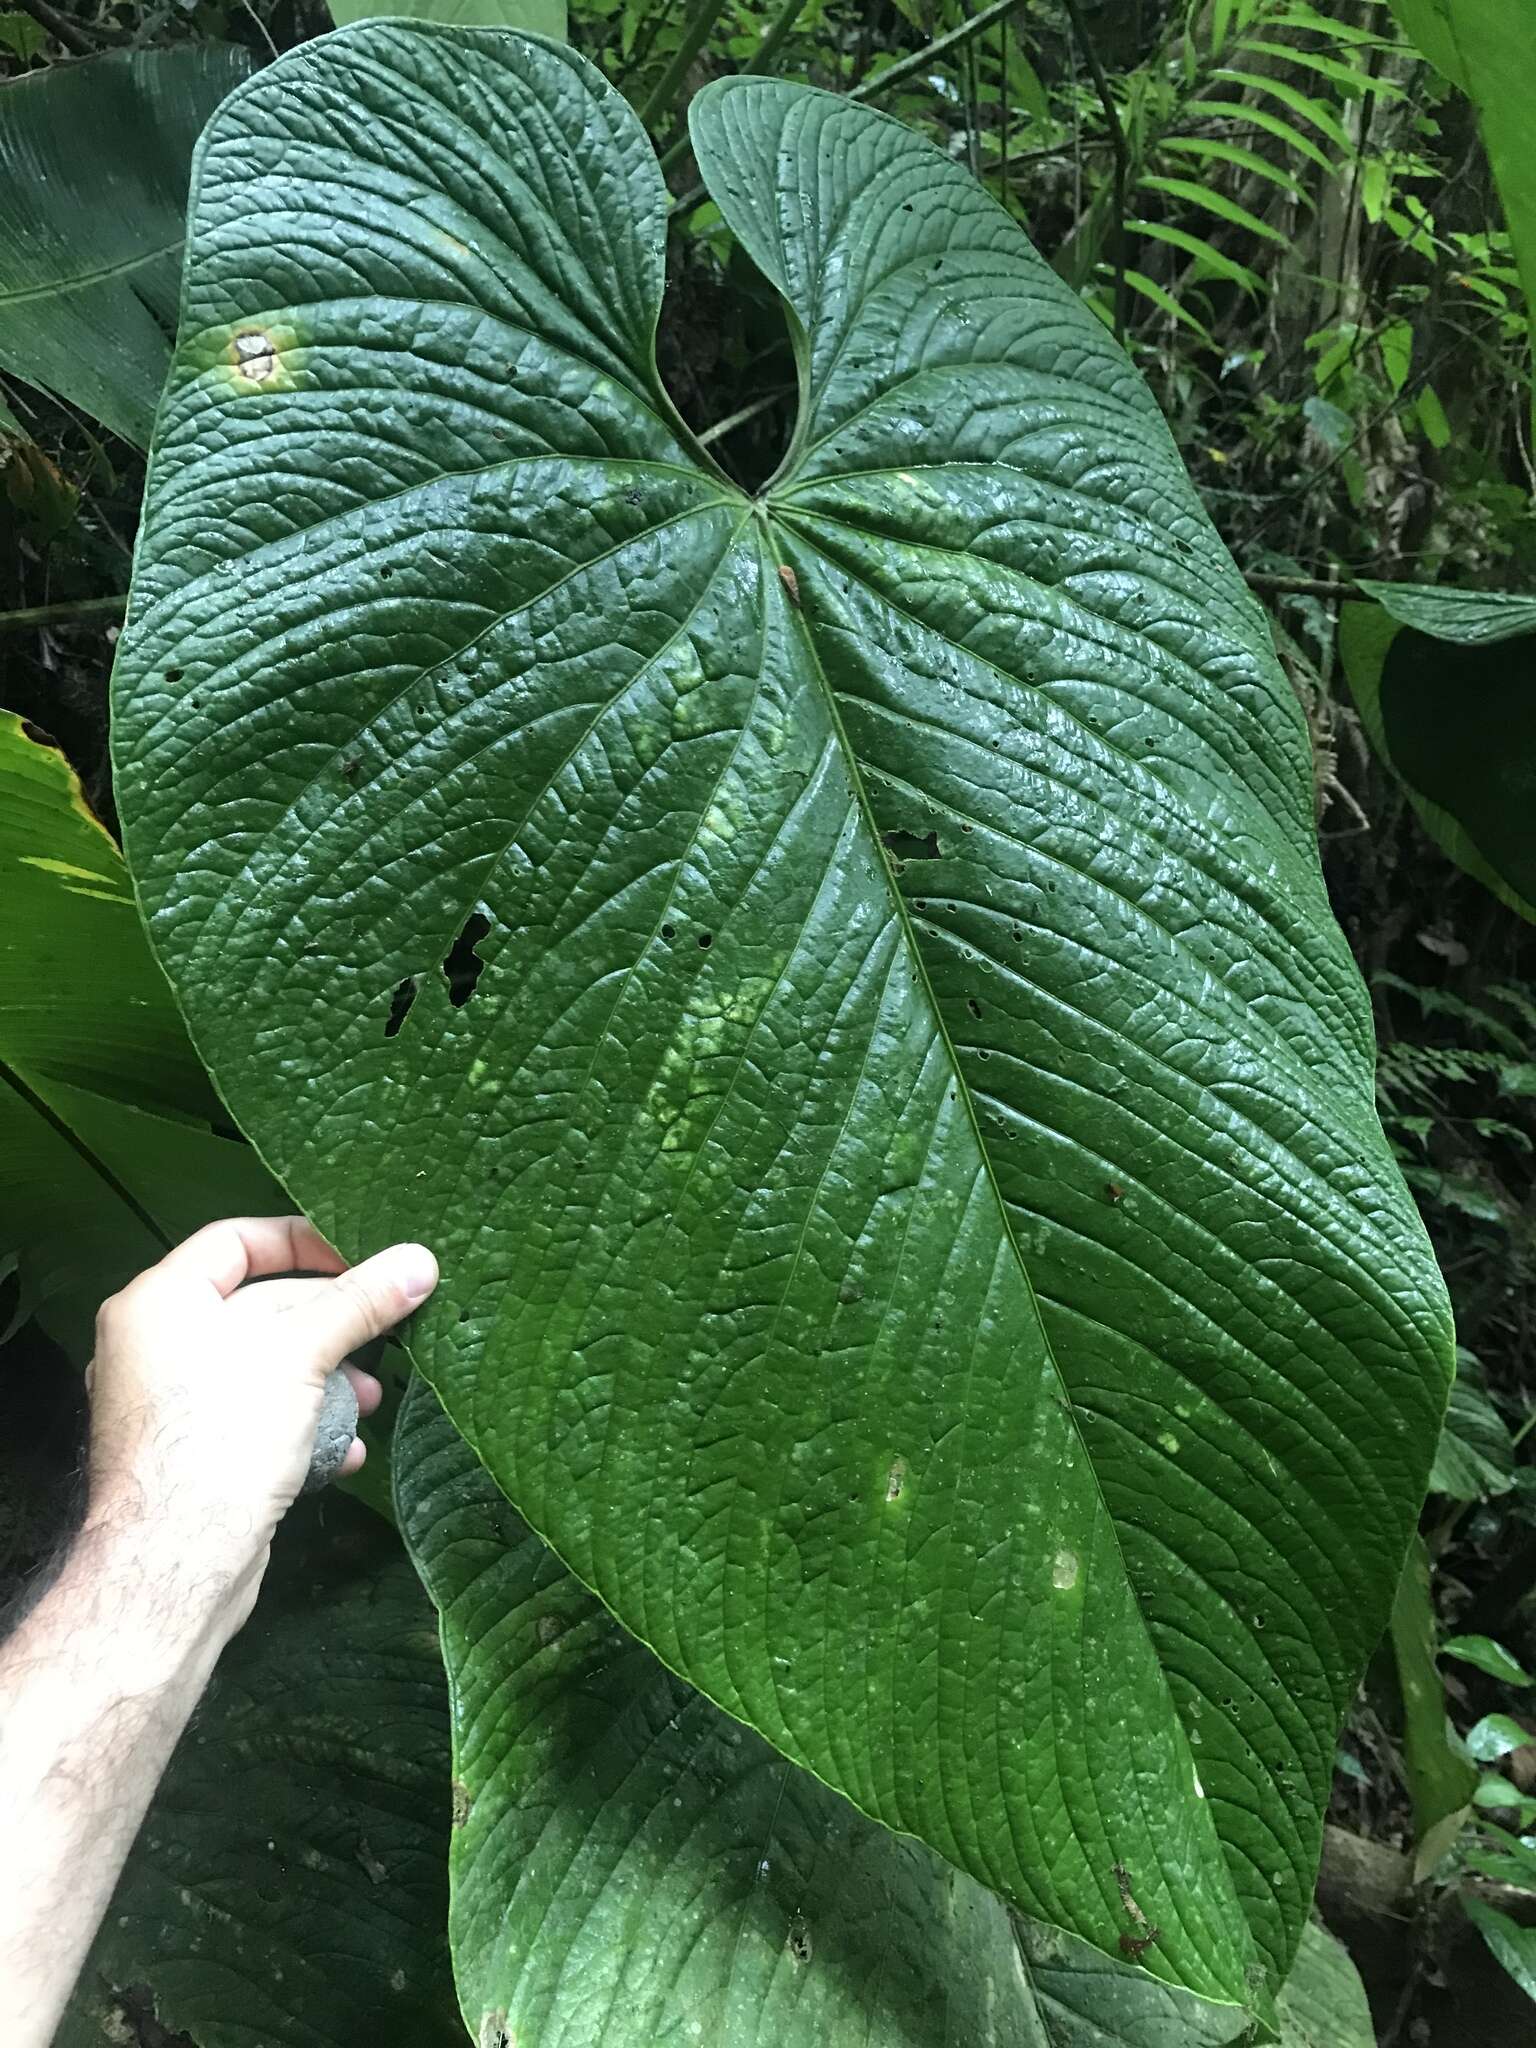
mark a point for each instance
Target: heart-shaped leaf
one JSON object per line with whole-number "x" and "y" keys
{"x": 630, "y": 1866}
{"x": 842, "y": 977}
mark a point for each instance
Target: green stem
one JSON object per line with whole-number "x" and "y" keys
{"x": 645, "y": 42}
{"x": 1121, "y": 178}
{"x": 941, "y": 46}
{"x": 777, "y": 36}
{"x": 695, "y": 34}
{"x": 63, "y": 614}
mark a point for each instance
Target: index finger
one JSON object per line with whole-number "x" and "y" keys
{"x": 242, "y": 1248}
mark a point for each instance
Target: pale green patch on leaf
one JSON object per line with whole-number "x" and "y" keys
{"x": 94, "y": 158}
{"x": 1495, "y": 1736}
{"x": 1488, "y": 1656}
{"x": 841, "y": 977}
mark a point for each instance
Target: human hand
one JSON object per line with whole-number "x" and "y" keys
{"x": 205, "y": 1390}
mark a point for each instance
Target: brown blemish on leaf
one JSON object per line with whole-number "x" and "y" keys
{"x": 790, "y": 581}
{"x": 799, "y": 1940}
{"x": 461, "y": 1802}
{"x": 493, "y": 2032}
{"x": 1134, "y": 1945}
{"x": 254, "y": 355}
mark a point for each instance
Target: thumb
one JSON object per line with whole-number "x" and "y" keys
{"x": 366, "y": 1301}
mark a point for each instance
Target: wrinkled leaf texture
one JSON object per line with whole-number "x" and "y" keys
{"x": 630, "y": 1866}
{"x": 950, "y": 1298}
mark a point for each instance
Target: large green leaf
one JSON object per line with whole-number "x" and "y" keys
{"x": 916, "y": 1236}
{"x": 106, "y": 1152}
{"x": 287, "y": 1887}
{"x": 631, "y": 1867}
{"x": 94, "y": 159}
{"x": 1445, "y": 683}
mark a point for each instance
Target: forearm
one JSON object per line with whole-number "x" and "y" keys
{"x": 96, "y": 1685}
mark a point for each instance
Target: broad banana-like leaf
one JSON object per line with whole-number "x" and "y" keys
{"x": 841, "y": 976}
{"x": 108, "y": 1151}
{"x": 1488, "y": 48}
{"x": 287, "y": 1887}
{"x": 630, "y": 1866}
{"x": 1445, "y": 683}
{"x": 94, "y": 159}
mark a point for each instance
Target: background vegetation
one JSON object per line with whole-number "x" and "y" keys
{"x": 1293, "y": 220}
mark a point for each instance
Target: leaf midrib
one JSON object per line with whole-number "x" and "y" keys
{"x": 38, "y": 1105}
{"x": 62, "y": 287}
{"x": 1200, "y": 1941}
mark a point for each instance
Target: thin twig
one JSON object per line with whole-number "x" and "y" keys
{"x": 70, "y": 614}
{"x": 1006, "y": 108}
{"x": 1121, "y": 175}
{"x": 645, "y": 42}
{"x": 733, "y": 420}
{"x": 941, "y": 46}
{"x": 261, "y": 29}
{"x": 972, "y": 114}
{"x": 70, "y": 34}
{"x": 776, "y": 36}
{"x": 1302, "y": 586}
{"x": 658, "y": 100}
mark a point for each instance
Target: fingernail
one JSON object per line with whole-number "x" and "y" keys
{"x": 417, "y": 1271}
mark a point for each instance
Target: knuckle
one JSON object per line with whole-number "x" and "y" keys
{"x": 369, "y": 1299}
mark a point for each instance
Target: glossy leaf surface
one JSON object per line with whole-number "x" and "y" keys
{"x": 287, "y": 1887}
{"x": 842, "y": 978}
{"x": 94, "y": 160}
{"x": 1445, "y": 681}
{"x": 631, "y": 1866}
{"x": 107, "y": 1155}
